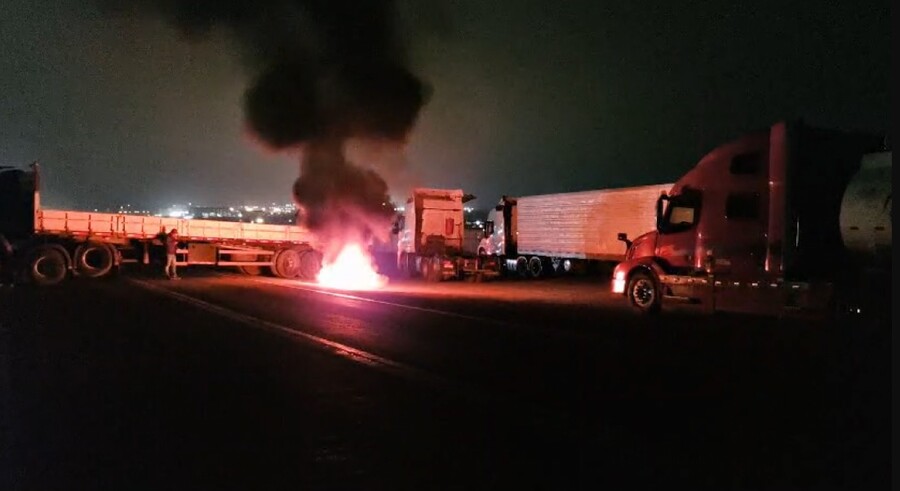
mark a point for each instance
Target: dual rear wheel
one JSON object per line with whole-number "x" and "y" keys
{"x": 49, "y": 264}
{"x": 532, "y": 267}
{"x": 297, "y": 263}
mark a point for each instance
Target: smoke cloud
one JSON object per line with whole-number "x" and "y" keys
{"x": 324, "y": 72}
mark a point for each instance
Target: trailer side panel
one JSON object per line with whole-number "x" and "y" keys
{"x": 585, "y": 225}
{"x": 120, "y": 226}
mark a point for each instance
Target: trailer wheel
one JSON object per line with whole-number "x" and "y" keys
{"x": 94, "y": 260}
{"x": 407, "y": 265}
{"x": 535, "y": 267}
{"x": 432, "y": 269}
{"x": 522, "y": 266}
{"x": 427, "y": 269}
{"x": 250, "y": 270}
{"x": 48, "y": 265}
{"x": 310, "y": 264}
{"x": 643, "y": 293}
{"x": 287, "y": 263}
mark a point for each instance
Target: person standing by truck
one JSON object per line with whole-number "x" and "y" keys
{"x": 171, "y": 248}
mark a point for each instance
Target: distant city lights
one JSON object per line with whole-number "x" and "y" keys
{"x": 272, "y": 213}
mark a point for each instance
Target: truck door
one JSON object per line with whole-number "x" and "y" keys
{"x": 17, "y": 203}
{"x": 736, "y": 223}
{"x": 679, "y": 215}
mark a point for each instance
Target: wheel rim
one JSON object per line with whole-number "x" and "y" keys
{"x": 521, "y": 266}
{"x": 290, "y": 263}
{"x": 643, "y": 293}
{"x": 310, "y": 265}
{"x": 94, "y": 258}
{"x": 46, "y": 268}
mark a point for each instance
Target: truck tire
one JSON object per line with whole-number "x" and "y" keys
{"x": 432, "y": 269}
{"x": 522, "y": 267}
{"x": 48, "y": 265}
{"x": 287, "y": 263}
{"x": 94, "y": 260}
{"x": 644, "y": 293}
{"x": 310, "y": 264}
{"x": 408, "y": 265}
{"x": 535, "y": 267}
{"x": 426, "y": 269}
{"x": 412, "y": 269}
{"x": 403, "y": 265}
{"x": 250, "y": 270}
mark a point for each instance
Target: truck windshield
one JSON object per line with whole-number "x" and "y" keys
{"x": 679, "y": 214}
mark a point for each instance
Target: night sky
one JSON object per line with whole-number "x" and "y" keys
{"x": 527, "y": 96}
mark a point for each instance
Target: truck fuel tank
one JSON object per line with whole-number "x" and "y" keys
{"x": 866, "y": 217}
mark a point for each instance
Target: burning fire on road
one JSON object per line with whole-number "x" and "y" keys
{"x": 324, "y": 74}
{"x": 352, "y": 269}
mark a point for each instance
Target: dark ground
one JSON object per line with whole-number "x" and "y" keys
{"x": 548, "y": 385}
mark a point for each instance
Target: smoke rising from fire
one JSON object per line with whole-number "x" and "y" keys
{"x": 324, "y": 72}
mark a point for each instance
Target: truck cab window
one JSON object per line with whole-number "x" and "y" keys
{"x": 680, "y": 213}
{"x": 681, "y": 216}
{"x": 742, "y": 206}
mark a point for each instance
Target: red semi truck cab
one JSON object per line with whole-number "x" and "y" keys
{"x": 782, "y": 219}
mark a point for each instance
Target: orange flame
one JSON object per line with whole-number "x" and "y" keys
{"x": 351, "y": 270}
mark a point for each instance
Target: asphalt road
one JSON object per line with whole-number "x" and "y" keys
{"x": 231, "y": 382}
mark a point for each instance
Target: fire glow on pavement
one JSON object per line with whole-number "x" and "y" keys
{"x": 353, "y": 269}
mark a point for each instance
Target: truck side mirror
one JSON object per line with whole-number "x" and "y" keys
{"x": 498, "y": 208}
{"x": 659, "y": 211}
{"x": 395, "y": 229}
{"x": 624, "y": 238}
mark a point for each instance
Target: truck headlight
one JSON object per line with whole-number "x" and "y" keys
{"x": 619, "y": 282}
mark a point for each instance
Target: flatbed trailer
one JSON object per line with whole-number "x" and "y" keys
{"x": 48, "y": 244}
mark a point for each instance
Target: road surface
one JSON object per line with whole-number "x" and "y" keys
{"x": 234, "y": 382}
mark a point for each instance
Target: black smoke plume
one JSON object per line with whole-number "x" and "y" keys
{"x": 324, "y": 71}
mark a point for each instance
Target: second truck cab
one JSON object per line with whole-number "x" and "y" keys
{"x": 768, "y": 222}
{"x": 430, "y": 236}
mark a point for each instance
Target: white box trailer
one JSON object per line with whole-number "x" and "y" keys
{"x": 47, "y": 244}
{"x": 533, "y": 235}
